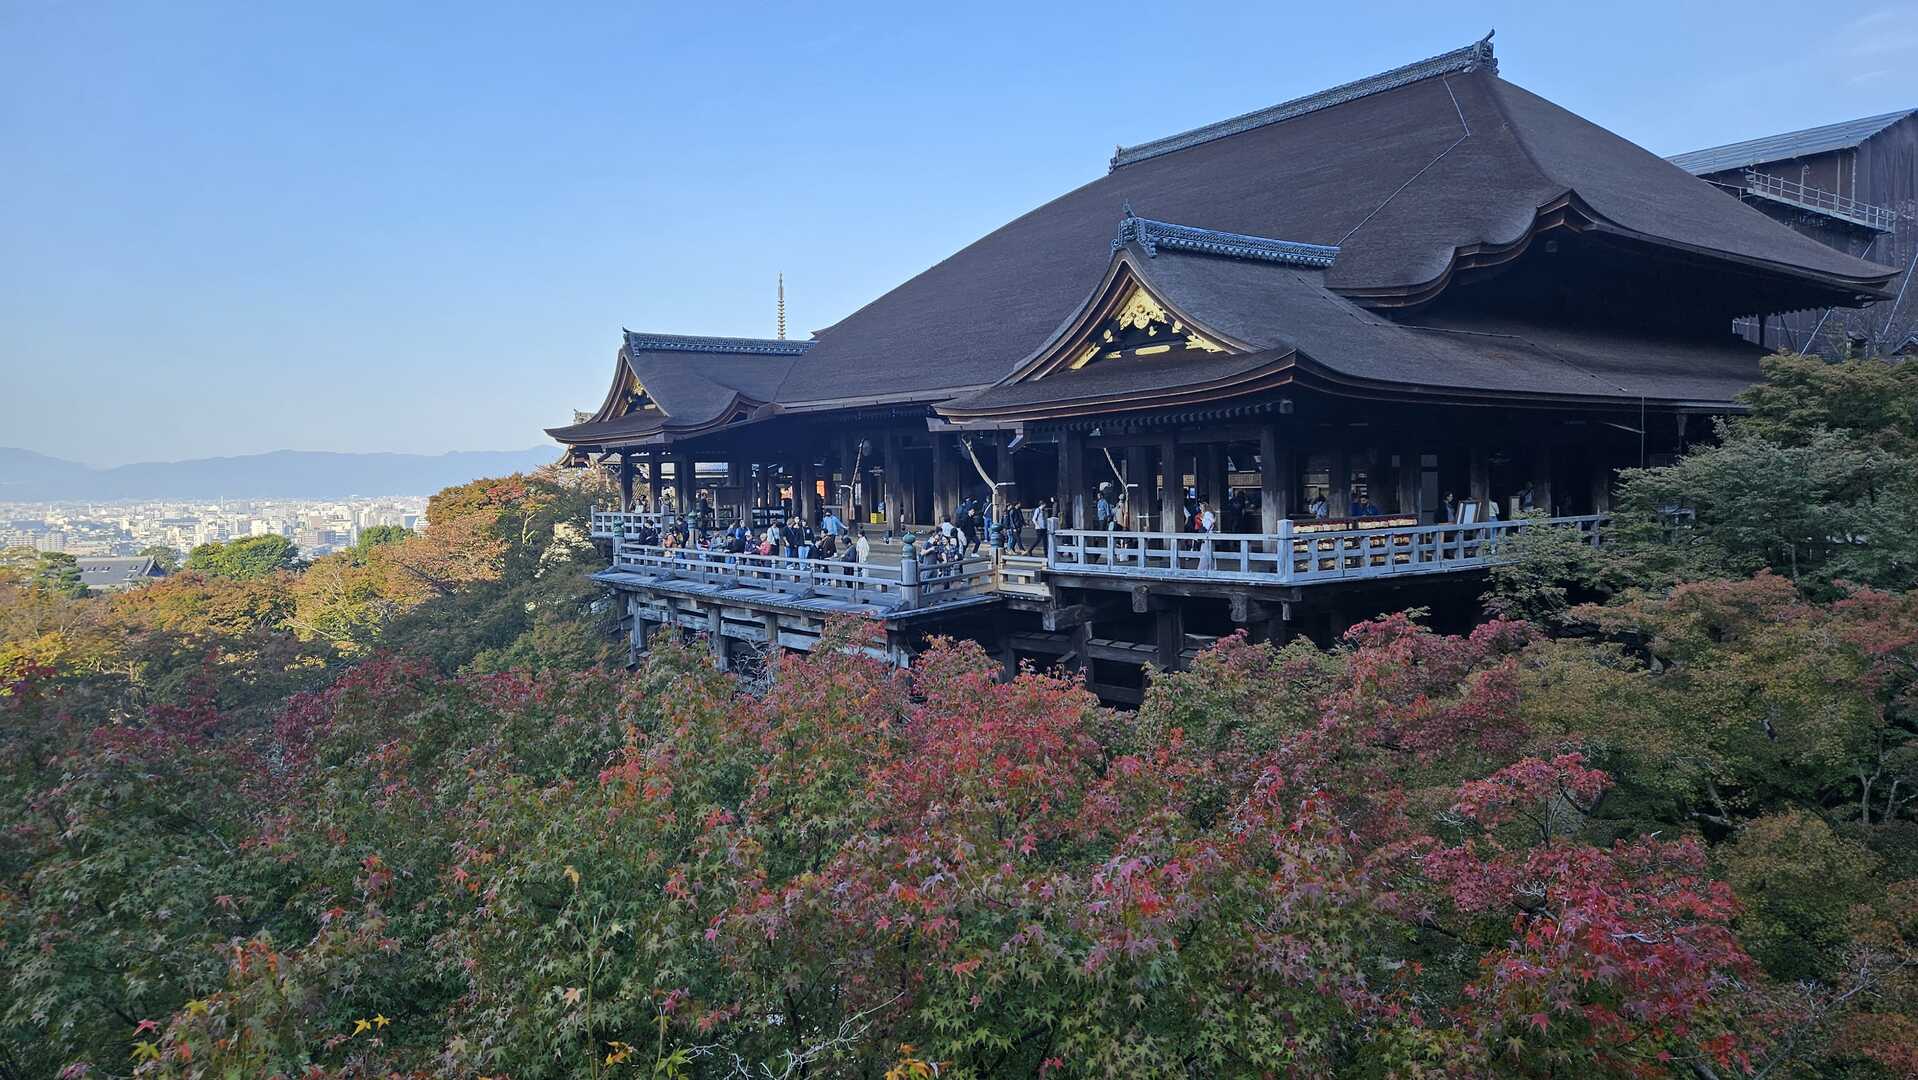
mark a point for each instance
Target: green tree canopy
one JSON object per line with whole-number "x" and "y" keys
{"x": 245, "y": 558}
{"x": 375, "y": 535}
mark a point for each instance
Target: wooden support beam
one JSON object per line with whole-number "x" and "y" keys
{"x": 1408, "y": 492}
{"x": 1339, "y": 497}
{"x": 626, "y": 480}
{"x": 1275, "y": 480}
{"x": 1171, "y": 632}
{"x": 1247, "y": 610}
{"x": 655, "y": 479}
{"x": 806, "y": 498}
{"x": 943, "y": 450}
{"x": 1124, "y": 695}
{"x": 1066, "y": 617}
{"x": 1211, "y": 478}
{"x": 1142, "y": 495}
{"x": 895, "y": 508}
{"x": 1478, "y": 479}
{"x": 1049, "y": 644}
{"x": 1072, "y": 479}
{"x": 1141, "y": 599}
{"x": 683, "y": 483}
{"x": 716, "y": 640}
{"x": 1542, "y": 477}
{"x": 1171, "y": 485}
{"x": 1122, "y": 652}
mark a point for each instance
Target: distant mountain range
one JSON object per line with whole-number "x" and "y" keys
{"x": 26, "y": 476}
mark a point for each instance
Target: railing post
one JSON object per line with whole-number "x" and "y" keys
{"x": 1284, "y": 549}
{"x": 909, "y": 576}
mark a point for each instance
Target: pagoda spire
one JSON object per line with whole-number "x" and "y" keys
{"x": 782, "y": 307}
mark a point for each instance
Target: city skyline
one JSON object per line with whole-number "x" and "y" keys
{"x": 128, "y": 526}
{"x": 243, "y": 230}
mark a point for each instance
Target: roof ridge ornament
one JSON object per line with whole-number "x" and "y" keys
{"x": 642, "y": 342}
{"x": 1477, "y": 56}
{"x": 1152, "y": 235}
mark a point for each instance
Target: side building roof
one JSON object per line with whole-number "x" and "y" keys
{"x": 1783, "y": 147}
{"x": 673, "y": 384}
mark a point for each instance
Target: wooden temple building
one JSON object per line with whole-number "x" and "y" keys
{"x": 1853, "y": 186}
{"x": 1424, "y": 283}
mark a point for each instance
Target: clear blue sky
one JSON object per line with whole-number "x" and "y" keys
{"x": 228, "y": 228}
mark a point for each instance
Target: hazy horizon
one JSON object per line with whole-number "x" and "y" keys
{"x": 234, "y": 229}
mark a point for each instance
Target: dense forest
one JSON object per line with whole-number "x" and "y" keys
{"x": 402, "y": 811}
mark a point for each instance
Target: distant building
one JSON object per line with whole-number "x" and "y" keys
{"x": 113, "y": 575}
{"x": 1852, "y": 186}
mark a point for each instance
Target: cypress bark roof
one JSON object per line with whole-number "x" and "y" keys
{"x": 1401, "y": 180}
{"x": 1300, "y": 331}
{"x": 1405, "y": 178}
{"x": 696, "y": 384}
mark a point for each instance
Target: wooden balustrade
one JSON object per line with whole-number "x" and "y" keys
{"x": 611, "y": 524}
{"x": 908, "y": 584}
{"x": 1296, "y": 556}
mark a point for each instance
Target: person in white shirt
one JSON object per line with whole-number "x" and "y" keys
{"x": 1040, "y": 523}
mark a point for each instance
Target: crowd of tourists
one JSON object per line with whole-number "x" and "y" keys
{"x": 788, "y": 537}
{"x": 1015, "y": 528}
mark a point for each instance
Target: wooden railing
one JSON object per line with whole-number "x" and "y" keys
{"x": 908, "y": 584}
{"x": 609, "y": 524}
{"x": 1296, "y": 557}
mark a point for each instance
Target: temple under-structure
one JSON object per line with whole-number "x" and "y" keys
{"x": 1374, "y": 331}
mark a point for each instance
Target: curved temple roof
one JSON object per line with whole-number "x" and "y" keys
{"x": 694, "y": 384}
{"x": 1382, "y": 189}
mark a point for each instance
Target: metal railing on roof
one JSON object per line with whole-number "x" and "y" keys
{"x": 1817, "y": 200}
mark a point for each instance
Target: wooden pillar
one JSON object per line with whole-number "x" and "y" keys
{"x": 1275, "y": 480}
{"x": 636, "y": 642}
{"x": 1171, "y": 633}
{"x": 1542, "y": 477}
{"x": 1141, "y": 494}
{"x": 942, "y": 463}
{"x": 1006, "y": 486}
{"x": 625, "y": 481}
{"x": 683, "y": 483}
{"x": 1339, "y": 480}
{"x": 716, "y": 640}
{"x": 895, "y": 511}
{"x": 1072, "y": 479}
{"x": 655, "y": 481}
{"x": 1601, "y": 488}
{"x": 1478, "y": 479}
{"x": 1172, "y": 486}
{"x": 849, "y": 478}
{"x": 806, "y": 480}
{"x": 1408, "y": 493}
{"x": 1211, "y": 478}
